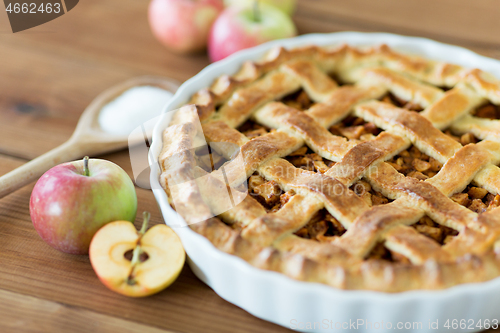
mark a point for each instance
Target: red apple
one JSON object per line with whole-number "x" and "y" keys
{"x": 71, "y": 201}
{"x": 241, "y": 27}
{"x": 183, "y": 25}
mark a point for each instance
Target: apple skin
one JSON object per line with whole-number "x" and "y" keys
{"x": 287, "y": 6}
{"x": 183, "y": 25}
{"x": 161, "y": 269}
{"x": 67, "y": 208}
{"x": 236, "y": 29}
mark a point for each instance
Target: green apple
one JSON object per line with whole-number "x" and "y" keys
{"x": 71, "y": 201}
{"x": 133, "y": 263}
{"x": 287, "y": 6}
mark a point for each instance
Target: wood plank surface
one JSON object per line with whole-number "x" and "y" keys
{"x": 49, "y": 74}
{"x": 23, "y": 313}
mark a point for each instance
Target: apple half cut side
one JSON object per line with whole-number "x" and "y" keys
{"x": 136, "y": 263}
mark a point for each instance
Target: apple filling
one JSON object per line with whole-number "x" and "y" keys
{"x": 304, "y": 158}
{"x": 463, "y": 139}
{"x": 298, "y": 100}
{"x": 323, "y": 227}
{"x": 425, "y": 226}
{"x": 268, "y": 193}
{"x": 364, "y": 190}
{"x": 380, "y": 252}
{"x": 413, "y": 163}
{"x": 354, "y": 128}
{"x": 488, "y": 111}
{"x": 401, "y": 103}
{"x": 440, "y": 233}
{"x": 253, "y": 130}
{"x": 477, "y": 199}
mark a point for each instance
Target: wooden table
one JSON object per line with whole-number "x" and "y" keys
{"x": 49, "y": 74}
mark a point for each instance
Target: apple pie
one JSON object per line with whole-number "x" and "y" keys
{"x": 359, "y": 168}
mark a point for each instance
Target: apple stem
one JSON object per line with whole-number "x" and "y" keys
{"x": 256, "y": 11}
{"x": 146, "y": 216}
{"x": 135, "y": 260}
{"x": 137, "y": 250}
{"x": 86, "y": 171}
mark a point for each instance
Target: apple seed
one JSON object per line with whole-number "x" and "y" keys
{"x": 142, "y": 257}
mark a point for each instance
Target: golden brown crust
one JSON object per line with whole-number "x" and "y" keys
{"x": 267, "y": 240}
{"x": 366, "y": 154}
{"x": 412, "y": 125}
{"x": 415, "y": 246}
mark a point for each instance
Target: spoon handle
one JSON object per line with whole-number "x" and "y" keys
{"x": 32, "y": 170}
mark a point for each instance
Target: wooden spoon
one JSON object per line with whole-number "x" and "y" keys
{"x": 88, "y": 138}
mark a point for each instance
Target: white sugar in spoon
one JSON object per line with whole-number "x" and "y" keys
{"x": 88, "y": 139}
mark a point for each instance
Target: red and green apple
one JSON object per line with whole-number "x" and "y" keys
{"x": 183, "y": 25}
{"x": 71, "y": 201}
{"x": 241, "y": 27}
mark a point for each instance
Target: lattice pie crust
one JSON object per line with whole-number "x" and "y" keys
{"x": 311, "y": 221}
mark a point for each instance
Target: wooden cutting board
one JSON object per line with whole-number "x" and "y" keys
{"x": 49, "y": 74}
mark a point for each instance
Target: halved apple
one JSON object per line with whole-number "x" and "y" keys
{"x": 136, "y": 263}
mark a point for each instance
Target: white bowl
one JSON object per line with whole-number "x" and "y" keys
{"x": 312, "y": 307}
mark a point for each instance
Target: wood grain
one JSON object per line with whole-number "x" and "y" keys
{"x": 49, "y": 74}
{"x": 27, "y": 314}
{"x": 464, "y": 22}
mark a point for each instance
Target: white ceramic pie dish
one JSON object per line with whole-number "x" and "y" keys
{"x": 300, "y": 305}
